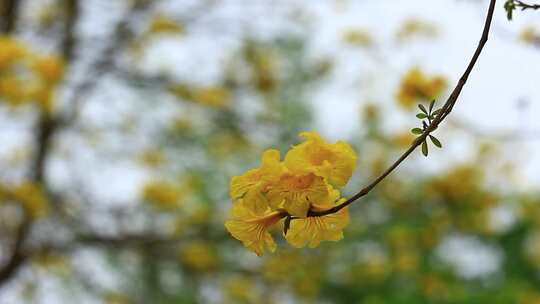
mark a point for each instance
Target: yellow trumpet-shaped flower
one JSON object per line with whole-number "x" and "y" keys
{"x": 252, "y": 229}
{"x": 296, "y": 192}
{"x": 335, "y": 162}
{"x": 307, "y": 179}
{"x": 312, "y": 230}
{"x": 250, "y": 185}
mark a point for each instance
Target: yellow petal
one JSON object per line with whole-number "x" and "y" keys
{"x": 312, "y": 230}
{"x": 252, "y": 230}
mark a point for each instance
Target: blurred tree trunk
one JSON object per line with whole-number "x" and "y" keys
{"x": 9, "y": 10}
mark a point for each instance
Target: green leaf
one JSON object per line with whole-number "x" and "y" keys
{"x": 417, "y": 131}
{"x": 431, "y": 105}
{"x": 509, "y": 6}
{"x": 435, "y": 141}
{"x": 422, "y": 108}
{"x": 436, "y": 112}
{"x": 425, "y": 148}
{"x": 421, "y": 116}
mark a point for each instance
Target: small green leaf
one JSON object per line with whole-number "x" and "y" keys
{"x": 421, "y": 116}
{"x": 509, "y": 6}
{"x": 422, "y": 108}
{"x": 425, "y": 148}
{"x": 416, "y": 131}
{"x": 436, "y": 112}
{"x": 431, "y": 105}
{"x": 435, "y": 141}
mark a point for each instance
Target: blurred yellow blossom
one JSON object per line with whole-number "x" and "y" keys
{"x": 241, "y": 289}
{"x": 414, "y": 28}
{"x": 32, "y": 198}
{"x": 10, "y": 51}
{"x": 211, "y": 96}
{"x": 198, "y": 255}
{"x": 530, "y": 35}
{"x": 49, "y": 68}
{"x": 152, "y": 158}
{"x": 358, "y": 37}
{"x": 163, "y": 24}
{"x": 415, "y": 86}
{"x": 28, "y": 76}
{"x": 163, "y": 194}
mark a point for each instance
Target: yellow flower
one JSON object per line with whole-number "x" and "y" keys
{"x": 10, "y": 51}
{"x": 416, "y": 85}
{"x": 162, "y": 194}
{"x": 334, "y": 162}
{"x": 250, "y": 185}
{"x": 412, "y": 27}
{"x": 198, "y": 255}
{"x": 13, "y": 90}
{"x": 162, "y": 24}
{"x": 296, "y": 192}
{"x": 252, "y": 229}
{"x": 529, "y": 34}
{"x": 32, "y": 198}
{"x": 49, "y": 68}
{"x": 312, "y": 230}
{"x": 263, "y": 196}
{"x": 358, "y": 37}
{"x": 212, "y": 96}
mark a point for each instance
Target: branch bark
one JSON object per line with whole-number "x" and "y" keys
{"x": 445, "y": 111}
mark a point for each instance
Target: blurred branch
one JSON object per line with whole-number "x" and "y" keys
{"x": 130, "y": 240}
{"x": 16, "y": 258}
{"x": 445, "y": 111}
{"x": 72, "y": 14}
{"x": 105, "y": 61}
{"x": 9, "y": 15}
{"x": 45, "y": 129}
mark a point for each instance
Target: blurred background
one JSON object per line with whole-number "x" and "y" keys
{"x": 121, "y": 123}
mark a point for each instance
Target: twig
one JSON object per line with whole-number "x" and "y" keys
{"x": 525, "y": 6}
{"x": 445, "y": 111}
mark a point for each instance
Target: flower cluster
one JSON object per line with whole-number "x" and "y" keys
{"x": 26, "y": 77}
{"x": 308, "y": 179}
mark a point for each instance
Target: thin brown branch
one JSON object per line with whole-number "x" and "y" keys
{"x": 445, "y": 111}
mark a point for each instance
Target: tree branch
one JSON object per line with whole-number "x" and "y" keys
{"x": 45, "y": 130}
{"x": 445, "y": 111}
{"x": 525, "y": 6}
